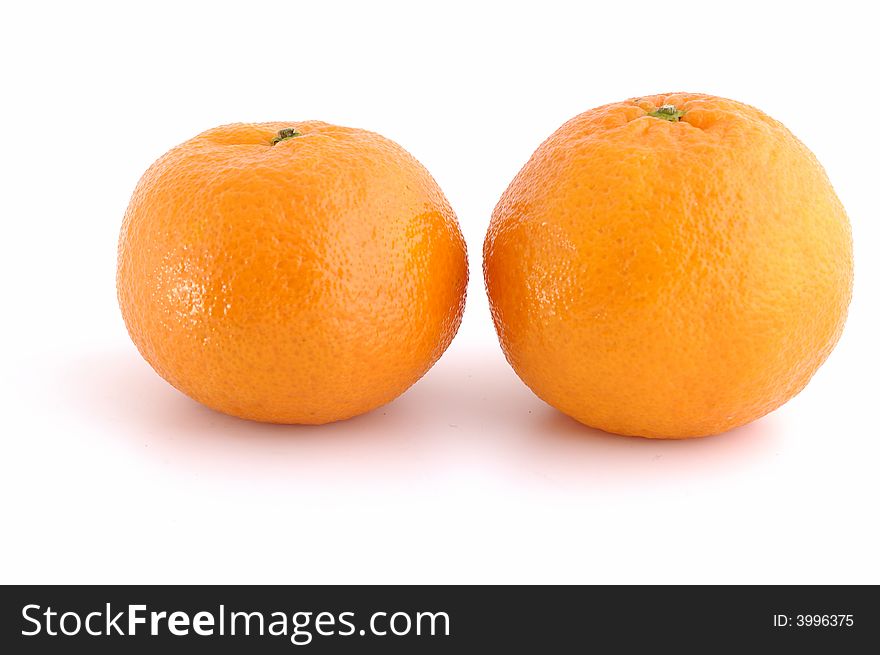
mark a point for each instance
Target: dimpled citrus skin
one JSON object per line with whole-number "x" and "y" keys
{"x": 302, "y": 282}
{"x": 667, "y": 278}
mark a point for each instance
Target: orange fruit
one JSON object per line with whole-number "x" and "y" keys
{"x": 669, "y": 266}
{"x": 290, "y": 272}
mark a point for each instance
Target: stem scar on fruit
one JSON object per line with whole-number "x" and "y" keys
{"x": 667, "y": 113}
{"x": 286, "y": 133}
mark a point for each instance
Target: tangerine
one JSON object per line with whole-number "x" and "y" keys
{"x": 290, "y": 272}
{"x": 669, "y": 266}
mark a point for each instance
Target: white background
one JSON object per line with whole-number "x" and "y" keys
{"x": 110, "y": 475}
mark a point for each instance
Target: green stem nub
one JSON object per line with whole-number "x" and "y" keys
{"x": 667, "y": 113}
{"x": 285, "y": 134}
